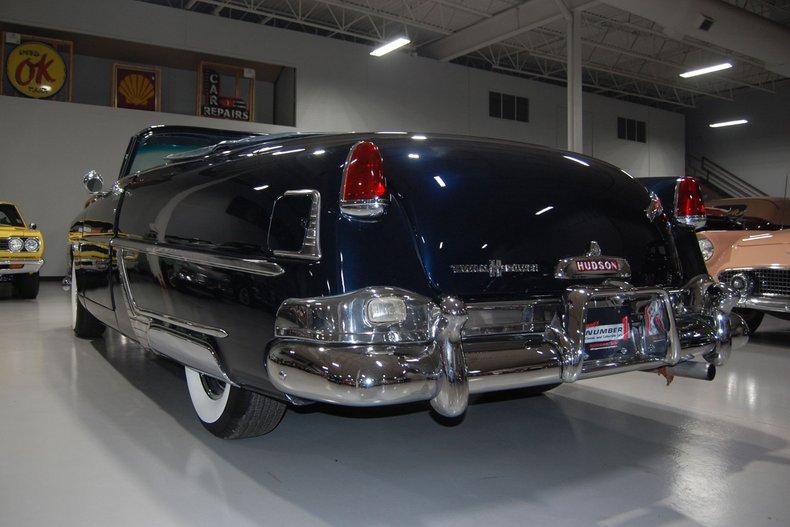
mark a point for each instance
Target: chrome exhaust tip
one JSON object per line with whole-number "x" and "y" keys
{"x": 704, "y": 371}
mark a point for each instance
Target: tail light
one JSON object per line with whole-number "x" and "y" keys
{"x": 364, "y": 189}
{"x": 689, "y": 206}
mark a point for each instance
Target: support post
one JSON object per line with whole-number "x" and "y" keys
{"x": 574, "y": 88}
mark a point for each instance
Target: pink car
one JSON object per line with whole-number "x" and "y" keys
{"x": 754, "y": 262}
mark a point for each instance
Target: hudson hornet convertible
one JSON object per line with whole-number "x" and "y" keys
{"x": 388, "y": 268}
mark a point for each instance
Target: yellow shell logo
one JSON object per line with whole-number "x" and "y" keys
{"x": 136, "y": 89}
{"x": 36, "y": 70}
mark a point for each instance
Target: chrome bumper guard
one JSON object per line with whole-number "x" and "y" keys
{"x": 448, "y": 368}
{"x": 27, "y": 266}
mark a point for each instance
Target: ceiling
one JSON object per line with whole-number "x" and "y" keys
{"x": 624, "y": 55}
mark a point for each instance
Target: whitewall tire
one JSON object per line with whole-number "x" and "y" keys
{"x": 208, "y": 401}
{"x": 84, "y": 325}
{"x": 230, "y": 412}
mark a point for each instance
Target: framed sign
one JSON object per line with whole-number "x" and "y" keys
{"x": 224, "y": 92}
{"x": 36, "y": 67}
{"x": 136, "y": 87}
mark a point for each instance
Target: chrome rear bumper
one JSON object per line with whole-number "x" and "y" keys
{"x": 447, "y": 369}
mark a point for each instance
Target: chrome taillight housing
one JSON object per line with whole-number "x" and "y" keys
{"x": 689, "y": 205}
{"x": 364, "y": 191}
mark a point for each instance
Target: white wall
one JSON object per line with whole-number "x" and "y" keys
{"x": 758, "y": 152}
{"x": 48, "y": 145}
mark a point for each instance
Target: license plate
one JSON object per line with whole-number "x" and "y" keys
{"x": 637, "y": 328}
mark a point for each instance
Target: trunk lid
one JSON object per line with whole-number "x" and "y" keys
{"x": 483, "y": 203}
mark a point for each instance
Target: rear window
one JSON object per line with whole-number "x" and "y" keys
{"x": 9, "y": 216}
{"x": 154, "y": 148}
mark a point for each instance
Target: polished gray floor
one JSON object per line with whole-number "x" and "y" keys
{"x": 99, "y": 433}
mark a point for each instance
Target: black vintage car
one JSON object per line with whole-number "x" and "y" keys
{"x": 394, "y": 268}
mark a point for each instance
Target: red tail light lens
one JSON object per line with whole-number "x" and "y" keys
{"x": 689, "y": 205}
{"x": 364, "y": 189}
{"x": 363, "y": 177}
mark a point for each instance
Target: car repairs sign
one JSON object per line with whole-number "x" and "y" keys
{"x": 223, "y": 105}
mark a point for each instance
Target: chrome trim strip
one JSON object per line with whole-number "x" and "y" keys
{"x": 779, "y": 267}
{"x": 28, "y": 266}
{"x": 779, "y": 304}
{"x": 197, "y": 355}
{"x": 140, "y": 314}
{"x": 311, "y": 246}
{"x": 255, "y": 266}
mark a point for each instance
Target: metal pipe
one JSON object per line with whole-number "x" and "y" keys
{"x": 705, "y": 371}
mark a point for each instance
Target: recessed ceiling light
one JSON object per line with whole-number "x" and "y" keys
{"x": 728, "y": 123}
{"x": 390, "y": 46}
{"x": 706, "y": 69}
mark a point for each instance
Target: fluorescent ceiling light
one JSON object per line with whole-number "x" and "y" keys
{"x": 707, "y": 69}
{"x": 728, "y": 123}
{"x": 390, "y": 46}
{"x": 419, "y": 137}
{"x": 541, "y": 211}
{"x": 262, "y": 187}
{"x": 439, "y": 181}
{"x": 576, "y": 159}
{"x": 414, "y": 156}
{"x": 319, "y": 152}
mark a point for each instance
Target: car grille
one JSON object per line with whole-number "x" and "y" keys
{"x": 3, "y": 244}
{"x": 766, "y": 281}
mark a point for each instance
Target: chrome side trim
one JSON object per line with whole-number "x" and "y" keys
{"x": 255, "y": 266}
{"x": 142, "y": 316}
{"x": 311, "y": 246}
{"x": 197, "y": 355}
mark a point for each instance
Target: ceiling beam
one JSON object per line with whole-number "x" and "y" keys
{"x": 387, "y": 16}
{"x": 655, "y": 60}
{"x": 519, "y": 46}
{"x": 461, "y": 7}
{"x": 290, "y": 18}
{"x": 733, "y": 28}
{"x": 502, "y": 26}
{"x": 593, "y": 86}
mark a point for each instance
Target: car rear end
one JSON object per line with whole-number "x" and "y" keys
{"x": 535, "y": 266}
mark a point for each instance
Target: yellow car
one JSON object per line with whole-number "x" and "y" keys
{"x": 21, "y": 251}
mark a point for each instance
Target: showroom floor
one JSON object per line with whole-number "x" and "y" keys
{"x": 98, "y": 433}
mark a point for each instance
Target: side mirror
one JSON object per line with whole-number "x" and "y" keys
{"x": 93, "y": 182}
{"x": 33, "y": 226}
